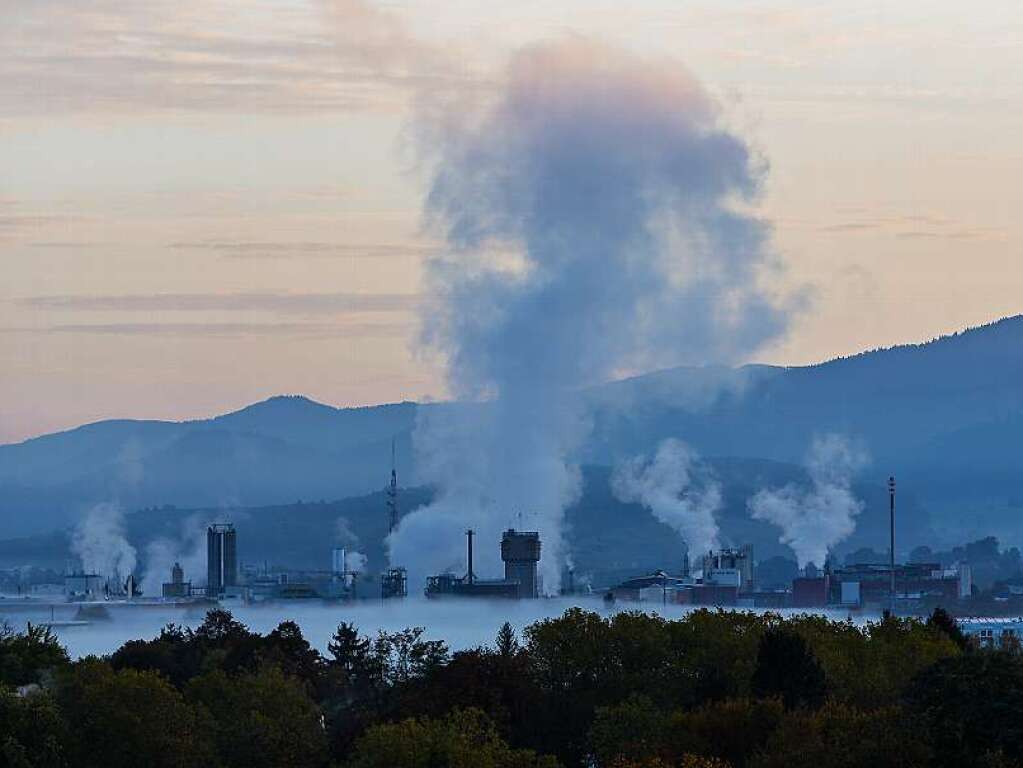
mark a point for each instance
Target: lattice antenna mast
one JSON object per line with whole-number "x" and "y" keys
{"x": 392, "y": 493}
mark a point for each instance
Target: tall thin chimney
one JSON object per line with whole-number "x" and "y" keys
{"x": 392, "y": 494}
{"x": 469, "y": 576}
{"x": 891, "y": 553}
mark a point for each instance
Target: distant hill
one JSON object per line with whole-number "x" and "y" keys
{"x": 945, "y": 416}
{"x": 904, "y": 402}
{"x": 274, "y": 452}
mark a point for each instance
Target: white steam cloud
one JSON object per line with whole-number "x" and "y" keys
{"x": 666, "y": 486}
{"x": 356, "y": 562}
{"x": 100, "y": 544}
{"x": 188, "y": 550}
{"x": 814, "y": 519}
{"x": 593, "y": 215}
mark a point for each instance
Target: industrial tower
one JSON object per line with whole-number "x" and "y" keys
{"x": 891, "y": 549}
{"x": 520, "y": 551}
{"x": 392, "y": 494}
{"x": 394, "y": 582}
{"x": 221, "y": 558}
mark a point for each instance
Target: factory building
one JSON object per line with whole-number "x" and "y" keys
{"x": 520, "y": 551}
{"x": 449, "y": 585}
{"x": 221, "y": 559}
{"x": 661, "y": 587}
{"x": 337, "y": 583}
{"x": 287, "y": 586}
{"x": 177, "y": 587}
{"x": 994, "y": 633}
{"x": 869, "y": 584}
{"x": 730, "y": 567}
{"x": 726, "y": 578}
{"x": 297, "y": 585}
{"x": 84, "y": 586}
{"x": 811, "y": 591}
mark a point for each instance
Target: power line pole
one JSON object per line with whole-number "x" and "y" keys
{"x": 891, "y": 552}
{"x": 392, "y": 494}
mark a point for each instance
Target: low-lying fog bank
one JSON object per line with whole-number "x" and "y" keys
{"x": 461, "y": 623}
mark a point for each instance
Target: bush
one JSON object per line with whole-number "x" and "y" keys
{"x": 464, "y": 739}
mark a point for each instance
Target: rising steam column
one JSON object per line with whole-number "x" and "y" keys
{"x": 520, "y": 551}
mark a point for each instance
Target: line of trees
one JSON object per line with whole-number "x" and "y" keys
{"x": 714, "y": 689}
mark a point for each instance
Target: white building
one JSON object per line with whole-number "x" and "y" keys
{"x": 993, "y": 632}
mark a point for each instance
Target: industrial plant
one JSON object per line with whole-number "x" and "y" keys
{"x": 725, "y": 577}
{"x": 520, "y": 552}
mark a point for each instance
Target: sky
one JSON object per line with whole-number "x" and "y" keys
{"x": 204, "y": 203}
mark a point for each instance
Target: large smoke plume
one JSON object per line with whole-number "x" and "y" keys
{"x": 593, "y": 213}
{"x": 676, "y": 489}
{"x": 814, "y": 519}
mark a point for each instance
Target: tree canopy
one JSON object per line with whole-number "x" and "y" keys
{"x": 711, "y": 689}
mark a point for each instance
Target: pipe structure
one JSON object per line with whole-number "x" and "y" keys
{"x": 469, "y": 577}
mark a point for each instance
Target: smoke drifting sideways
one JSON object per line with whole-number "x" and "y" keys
{"x": 595, "y": 222}
{"x": 676, "y": 489}
{"x": 100, "y": 544}
{"x": 815, "y": 519}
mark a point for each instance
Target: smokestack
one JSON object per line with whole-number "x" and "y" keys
{"x": 469, "y": 576}
{"x": 891, "y": 554}
{"x": 392, "y": 493}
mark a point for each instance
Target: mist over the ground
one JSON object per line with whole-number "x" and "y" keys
{"x": 461, "y": 623}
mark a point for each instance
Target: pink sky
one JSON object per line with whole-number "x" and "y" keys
{"x": 208, "y": 203}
